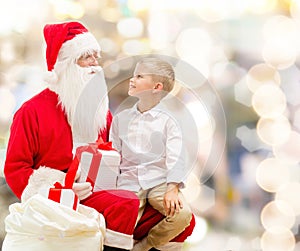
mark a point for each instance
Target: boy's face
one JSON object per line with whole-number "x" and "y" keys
{"x": 141, "y": 82}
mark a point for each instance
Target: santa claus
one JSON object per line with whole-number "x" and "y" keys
{"x": 46, "y": 128}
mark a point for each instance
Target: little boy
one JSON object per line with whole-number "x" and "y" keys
{"x": 150, "y": 143}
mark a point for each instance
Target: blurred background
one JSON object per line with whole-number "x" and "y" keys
{"x": 248, "y": 51}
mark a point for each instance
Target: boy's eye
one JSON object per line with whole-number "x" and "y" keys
{"x": 139, "y": 76}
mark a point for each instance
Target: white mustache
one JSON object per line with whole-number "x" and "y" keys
{"x": 94, "y": 69}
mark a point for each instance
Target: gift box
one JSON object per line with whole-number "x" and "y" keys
{"x": 99, "y": 165}
{"x": 63, "y": 196}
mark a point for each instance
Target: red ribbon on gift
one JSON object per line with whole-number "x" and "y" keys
{"x": 55, "y": 193}
{"x": 70, "y": 175}
{"x": 93, "y": 149}
{"x": 104, "y": 145}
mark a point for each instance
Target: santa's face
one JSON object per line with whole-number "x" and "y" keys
{"x": 89, "y": 59}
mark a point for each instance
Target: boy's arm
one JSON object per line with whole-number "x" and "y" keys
{"x": 175, "y": 162}
{"x": 175, "y": 154}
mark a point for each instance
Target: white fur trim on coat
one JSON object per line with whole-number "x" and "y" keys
{"x": 43, "y": 177}
{"x": 117, "y": 239}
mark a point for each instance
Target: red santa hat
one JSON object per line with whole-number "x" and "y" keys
{"x": 67, "y": 40}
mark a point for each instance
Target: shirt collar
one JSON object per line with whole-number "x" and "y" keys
{"x": 154, "y": 111}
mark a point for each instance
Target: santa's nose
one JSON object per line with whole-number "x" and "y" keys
{"x": 93, "y": 61}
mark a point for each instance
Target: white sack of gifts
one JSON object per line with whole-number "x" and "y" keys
{"x": 40, "y": 224}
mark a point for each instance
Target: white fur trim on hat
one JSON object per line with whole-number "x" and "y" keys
{"x": 80, "y": 44}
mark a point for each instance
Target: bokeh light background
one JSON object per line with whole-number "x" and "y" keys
{"x": 249, "y": 52}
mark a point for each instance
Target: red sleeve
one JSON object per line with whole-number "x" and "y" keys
{"x": 21, "y": 149}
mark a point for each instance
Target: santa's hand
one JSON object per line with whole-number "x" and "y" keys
{"x": 82, "y": 190}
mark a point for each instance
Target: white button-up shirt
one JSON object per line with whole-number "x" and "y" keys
{"x": 151, "y": 147}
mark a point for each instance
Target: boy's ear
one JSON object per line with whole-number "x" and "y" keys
{"x": 159, "y": 86}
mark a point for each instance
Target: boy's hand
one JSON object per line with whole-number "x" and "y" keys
{"x": 172, "y": 203}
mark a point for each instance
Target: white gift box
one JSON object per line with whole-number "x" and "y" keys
{"x": 65, "y": 197}
{"x": 101, "y": 169}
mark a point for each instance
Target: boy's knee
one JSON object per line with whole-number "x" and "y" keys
{"x": 183, "y": 218}
{"x": 186, "y": 216}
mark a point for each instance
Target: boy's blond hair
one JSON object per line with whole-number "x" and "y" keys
{"x": 161, "y": 71}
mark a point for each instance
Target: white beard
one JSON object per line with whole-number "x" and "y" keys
{"x": 71, "y": 84}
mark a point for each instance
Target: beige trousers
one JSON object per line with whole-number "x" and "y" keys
{"x": 169, "y": 227}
